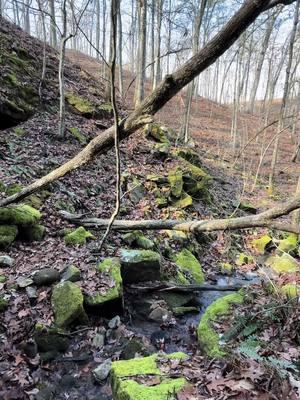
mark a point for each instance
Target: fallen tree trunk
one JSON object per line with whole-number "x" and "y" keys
{"x": 264, "y": 219}
{"x": 169, "y": 287}
{"x": 169, "y": 87}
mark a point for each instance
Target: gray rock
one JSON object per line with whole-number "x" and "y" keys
{"x": 98, "y": 340}
{"x": 71, "y": 274}
{"x": 6, "y": 261}
{"x": 160, "y": 315}
{"x": 140, "y": 265}
{"x": 23, "y": 282}
{"x": 114, "y": 322}
{"x": 102, "y": 371}
{"x": 45, "y": 276}
{"x": 31, "y": 292}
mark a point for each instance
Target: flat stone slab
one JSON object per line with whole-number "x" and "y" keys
{"x": 140, "y": 265}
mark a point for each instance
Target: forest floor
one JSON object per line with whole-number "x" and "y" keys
{"x": 263, "y": 356}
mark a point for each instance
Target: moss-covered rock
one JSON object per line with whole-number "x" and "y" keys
{"x": 136, "y": 190}
{"x": 158, "y": 132}
{"x": 176, "y": 182}
{"x": 161, "y": 150}
{"x": 125, "y": 373}
{"x": 78, "y": 135}
{"x": 71, "y": 274}
{"x": 105, "y": 110}
{"x": 67, "y": 304}
{"x": 3, "y": 279}
{"x": 185, "y": 201}
{"x": 33, "y": 233}
{"x": 136, "y": 238}
{"x": 109, "y": 268}
{"x": 291, "y": 290}
{"x": 226, "y": 268}
{"x": 190, "y": 266}
{"x": 243, "y": 259}
{"x": 207, "y": 336}
{"x": 78, "y": 236}
{"x": 21, "y": 215}
{"x": 283, "y": 264}
{"x": 196, "y": 181}
{"x": 179, "y": 311}
{"x": 80, "y": 104}
{"x": 289, "y": 244}
{"x": 8, "y": 234}
{"x": 50, "y": 339}
{"x": 140, "y": 265}
{"x": 189, "y": 155}
{"x": 261, "y": 243}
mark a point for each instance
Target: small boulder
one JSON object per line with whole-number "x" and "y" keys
{"x": 23, "y": 282}
{"x": 115, "y": 322}
{"x": 71, "y": 274}
{"x": 33, "y": 233}
{"x": 45, "y": 276}
{"x": 8, "y": 234}
{"x": 140, "y": 265}
{"x": 189, "y": 264}
{"x": 102, "y": 371}
{"x": 21, "y": 215}
{"x": 161, "y": 315}
{"x": 78, "y": 236}
{"x": 67, "y": 304}
{"x": 176, "y": 182}
{"x": 50, "y": 339}
{"x": 6, "y": 262}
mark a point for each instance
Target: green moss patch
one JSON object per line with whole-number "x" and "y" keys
{"x": 243, "y": 259}
{"x": 283, "y": 264}
{"x": 67, "y": 304}
{"x": 136, "y": 238}
{"x": 83, "y": 106}
{"x": 208, "y": 338}
{"x": 261, "y": 243}
{"x": 289, "y": 244}
{"x": 176, "y": 182}
{"x": 109, "y": 268}
{"x": 189, "y": 265}
{"x": 78, "y": 237}
{"x": 8, "y": 234}
{"x": 21, "y": 215}
{"x": 78, "y": 135}
{"x": 125, "y": 379}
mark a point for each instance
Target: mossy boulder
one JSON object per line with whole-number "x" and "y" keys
{"x": 33, "y": 233}
{"x": 243, "y": 259}
{"x": 195, "y": 181}
{"x": 159, "y": 133}
{"x": 105, "y": 110}
{"x": 20, "y": 215}
{"x": 261, "y": 243}
{"x": 8, "y": 234}
{"x": 3, "y": 278}
{"x": 78, "y": 237}
{"x": 176, "y": 182}
{"x": 185, "y": 201}
{"x": 283, "y": 264}
{"x": 136, "y": 191}
{"x": 161, "y": 150}
{"x": 179, "y": 311}
{"x": 190, "y": 266}
{"x": 208, "y": 338}
{"x": 50, "y": 339}
{"x": 125, "y": 375}
{"x": 140, "y": 265}
{"x": 291, "y": 290}
{"x": 289, "y": 244}
{"x": 226, "y": 268}
{"x": 71, "y": 274}
{"x": 67, "y": 304}
{"x": 136, "y": 238}
{"x": 109, "y": 268}
{"x": 79, "y": 104}
{"x": 189, "y": 155}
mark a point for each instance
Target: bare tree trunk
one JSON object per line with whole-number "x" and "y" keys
{"x": 157, "y": 71}
{"x": 152, "y": 41}
{"x": 170, "y": 86}
{"x": 284, "y": 97}
{"x": 141, "y": 59}
{"x": 98, "y": 28}
{"x": 120, "y": 49}
{"x": 191, "y": 87}
{"x": 53, "y": 35}
{"x": 261, "y": 59}
{"x": 104, "y": 35}
{"x": 62, "y": 55}
{"x": 44, "y": 51}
